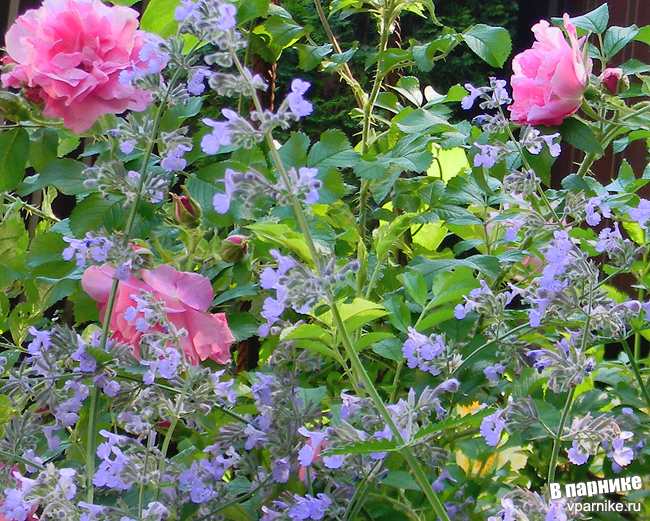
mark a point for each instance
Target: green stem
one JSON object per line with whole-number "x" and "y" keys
{"x": 91, "y": 444}
{"x": 30, "y": 208}
{"x": 637, "y": 335}
{"x": 346, "y": 72}
{"x": 170, "y": 433}
{"x": 351, "y": 353}
{"x": 522, "y": 327}
{"x": 370, "y": 389}
{"x": 558, "y": 438}
{"x": 637, "y": 374}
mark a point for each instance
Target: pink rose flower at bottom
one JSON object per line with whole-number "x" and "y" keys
{"x": 187, "y": 297}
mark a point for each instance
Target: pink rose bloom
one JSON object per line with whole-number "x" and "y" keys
{"x": 187, "y": 297}
{"x": 73, "y": 52}
{"x": 549, "y": 79}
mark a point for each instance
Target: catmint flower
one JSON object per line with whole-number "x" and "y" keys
{"x": 281, "y": 470}
{"x": 310, "y": 451}
{"x": 468, "y": 101}
{"x": 53, "y": 441}
{"x": 567, "y": 364}
{"x": 420, "y": 351}
{"x": 173, "y": 160}
{"x": 577, "y": 455}
{"x": 128, "y": 146}
{"x": 196, "y": 86}
{"x": 185, "y": 10}
{"x": 641, "y": 214}
{"x": 593, "y": 217}
{"x": 493, "y": 372}
{"x": 493, "y": 96}
{"x": 488, "y": 156}
{"x": 227, "y": 19}
{"x": 297, "y": 104}
{"x": 620, "y": 454}
{"x": 491, "y": 428}
{"x": 93, "y": 248}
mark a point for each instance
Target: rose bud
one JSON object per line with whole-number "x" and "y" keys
{"x": 234, "y": 248}
{"x": 614, "y": 80}
{"x": 187, "y": 212}
{"x": 145, "y": 255}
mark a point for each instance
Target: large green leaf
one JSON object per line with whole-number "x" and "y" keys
{"x": 14, "y": 151}
{"x": 44, "y": 147}
{"x": 594, "y": 22}
{"x": 581, "y": 136}
{"x": 46, "y": 247}
{"x": 332, "y": 151}
{"x": 492, "y": 44}
{"x": 95, "y": 212}
{"x": 64, "y": 174}
{"x": 159, "y": 17}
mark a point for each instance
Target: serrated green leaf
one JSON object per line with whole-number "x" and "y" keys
{"x": 14, "y": 151}
{"x": 423, "y": 121}
{"x": 415, "y": 286}
{"x": 400, "y": 479}
{"x": 618, "y": 37}
{"x": 294, "y": 152}
{"x": 46, "y": 247}
{"x": 95, "y": 212}
{"x": 575, "y": 183}
{"x": 389, "y": 348}
{"x": 594, "y": 22}
{"x": 248, "y": 10}
{"x": 492, "y": 44}
{"x": 279, "y": 233}
{"x": 356, "y": 313}
{"x": 311, "y": 56}
{"x": 581, "y": 136}
{"x": 43, "y": 148}
{"x": 332, "y": 151}
{"x": 66, "y": 175}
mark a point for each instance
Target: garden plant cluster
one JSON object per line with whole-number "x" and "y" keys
{"x": 238, "y": 321}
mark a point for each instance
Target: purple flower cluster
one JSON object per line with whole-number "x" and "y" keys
{"x": 239, "y": 132}
{"x": 641, "y": 214}
{"x": 493, "y": 96}
{"x": 492, "y": 428}
{"x": 567, "y": 364}
{"x": 93, "y": 247}
{"x": 299, "y": 508}
{"x": 248, "y": 187}
{"x": 173, "y": 160}
{"x": 591, "y": 209}
{"x": 296, "y": 287}
{"x": 421, "y": 351}
{"x": 117, "y": 469}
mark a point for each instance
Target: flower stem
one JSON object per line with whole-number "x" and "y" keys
{"x": 357, "y": 367}
{"x": 558, "y": 438}
{"x": 91, "y": 443}
{"x": 637, "y": 373}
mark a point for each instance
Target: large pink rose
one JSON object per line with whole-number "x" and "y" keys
{"x": 73, "y": 51}
{"x": 187, "y": 296}
{"x": 549, "y": 79}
